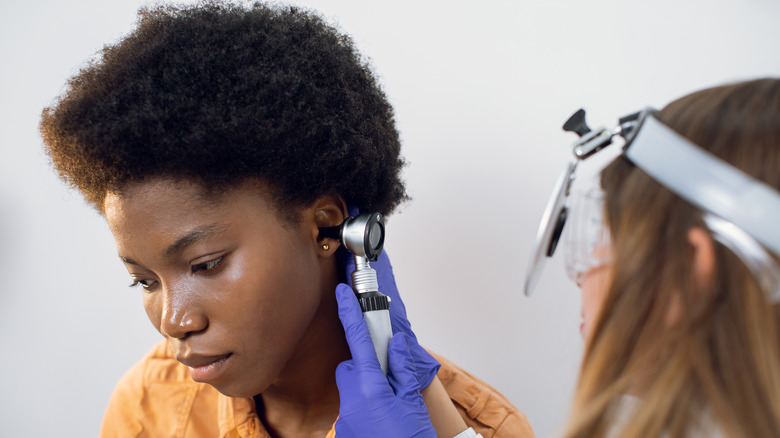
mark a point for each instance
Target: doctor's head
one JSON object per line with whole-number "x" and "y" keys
{"x": 680, "y": 320}
{"x": 216, "y": 139}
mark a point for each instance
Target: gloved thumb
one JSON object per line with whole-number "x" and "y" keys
{"x": 343, "y": 375}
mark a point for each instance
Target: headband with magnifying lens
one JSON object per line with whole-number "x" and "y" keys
{"x": 739, "y": 210}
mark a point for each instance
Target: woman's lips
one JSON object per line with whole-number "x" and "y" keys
{"x": 205, "y": 368}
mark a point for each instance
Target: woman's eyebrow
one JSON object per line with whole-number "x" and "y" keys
{"x": 129, "y": 261}
{"x": 192, "y": 236}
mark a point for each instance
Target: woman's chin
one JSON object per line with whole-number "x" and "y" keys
{"x": 239, "y": 389}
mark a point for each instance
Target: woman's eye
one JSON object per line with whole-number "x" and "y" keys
{"x": 207, "y": 266}
{"x": 146, "y": 284}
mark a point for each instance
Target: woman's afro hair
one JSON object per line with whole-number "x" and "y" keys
{"x": 220, "y": 94}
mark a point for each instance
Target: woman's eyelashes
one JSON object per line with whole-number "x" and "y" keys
{"x": 208, "y": 267}
{"x": 146, "y": 284}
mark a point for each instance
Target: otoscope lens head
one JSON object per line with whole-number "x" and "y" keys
{"x": 364, "y": 235}
{"x": 375, "y": 236}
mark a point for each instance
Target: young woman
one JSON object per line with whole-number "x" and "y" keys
{"x": 216, "y": 140}
{"x": 676, "y": 255}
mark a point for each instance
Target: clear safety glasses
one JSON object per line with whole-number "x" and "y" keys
{"x": 586, "y": 241}
{"x": 740, "y": 211}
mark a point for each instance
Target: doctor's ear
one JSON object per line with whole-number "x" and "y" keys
{"x": 703, "y": 266}
{"x": 703, "y": 258}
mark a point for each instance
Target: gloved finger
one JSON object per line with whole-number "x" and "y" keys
{"x": 427, "y": 366}
{"x": 358, "y": 337}
{"x": 403, "y": 372}
{"x": 386, "y": 280}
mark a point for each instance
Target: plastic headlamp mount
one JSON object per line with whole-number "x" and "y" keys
{"x": 716, "y": 187}
{"x": 704, "y": 180}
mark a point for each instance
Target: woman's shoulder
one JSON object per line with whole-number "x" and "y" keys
{"x": 482, "y": 406}
{"x": 154, "y": 395}
{"x": 157, "y": 366}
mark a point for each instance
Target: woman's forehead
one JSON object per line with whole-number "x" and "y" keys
{"x": 161, "y": 211}
{"x": 173, "y": 199}
{"x": 172, "y": 189}
{"x": 160, "y": 186}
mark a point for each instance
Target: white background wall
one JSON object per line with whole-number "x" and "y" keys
{"x": 480, "y": 91}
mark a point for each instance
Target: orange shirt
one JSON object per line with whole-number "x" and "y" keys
{"x": 157, "y": 398}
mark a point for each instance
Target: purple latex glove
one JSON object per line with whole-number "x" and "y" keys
{"x": 426, "y": 365}
{"x": 372, "y": 404}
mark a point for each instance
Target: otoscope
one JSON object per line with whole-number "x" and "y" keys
{"x": 364, "y": 237}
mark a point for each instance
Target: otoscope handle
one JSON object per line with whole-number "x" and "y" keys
{"x": 375, "y": 306}
{"x": 376, "y": 312}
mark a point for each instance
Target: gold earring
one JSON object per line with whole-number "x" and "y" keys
{"x": 325, "y": 247}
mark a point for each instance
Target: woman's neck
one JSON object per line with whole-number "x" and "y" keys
{"x": 303, "y": 401}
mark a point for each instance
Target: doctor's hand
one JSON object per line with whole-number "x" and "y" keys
{"x": 426, "y": 365}
{"x": 372, "y": 404}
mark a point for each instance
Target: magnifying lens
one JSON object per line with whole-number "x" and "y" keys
{"x": 550, "y": 228}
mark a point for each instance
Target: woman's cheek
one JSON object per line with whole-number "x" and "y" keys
{"x": 594, "y": 289}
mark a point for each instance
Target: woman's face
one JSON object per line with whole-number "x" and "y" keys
{"x": 230, "y": 286}
{"x": 588, "y": 254}
{"x": 594, "y": 285}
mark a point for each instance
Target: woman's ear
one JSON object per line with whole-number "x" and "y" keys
{"x": 703, "y": 258}
{"x": 327, "y": 211}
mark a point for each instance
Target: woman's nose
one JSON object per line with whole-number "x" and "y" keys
{"x": 181, "y": 315}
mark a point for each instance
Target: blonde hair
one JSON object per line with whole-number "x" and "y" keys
{"x": 718, "y": 364}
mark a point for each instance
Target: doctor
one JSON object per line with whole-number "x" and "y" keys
{"x": 675, "y": 252}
